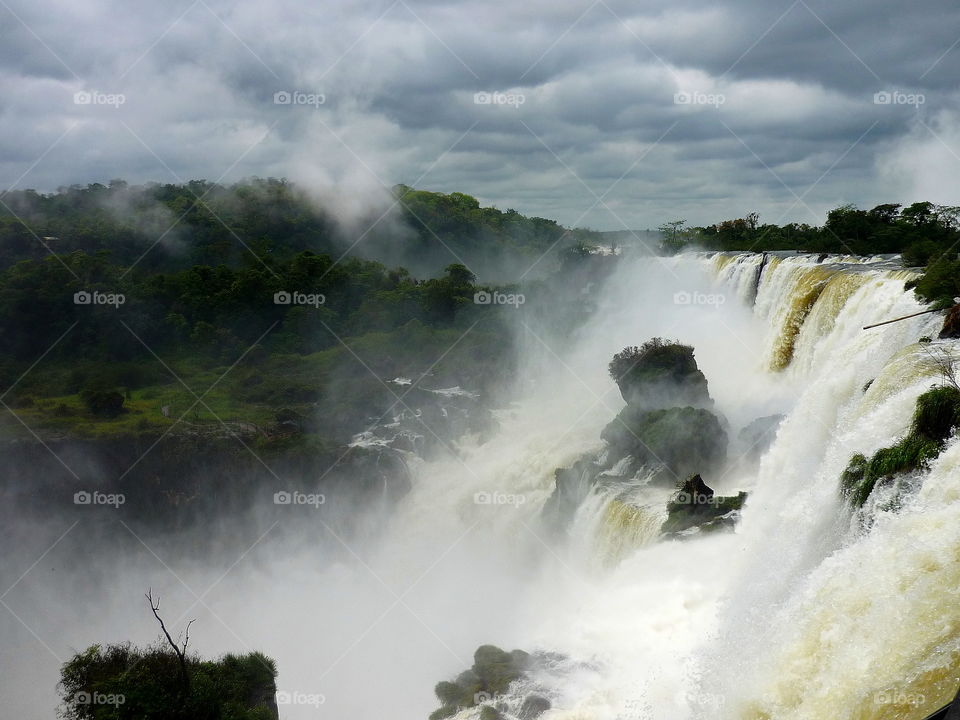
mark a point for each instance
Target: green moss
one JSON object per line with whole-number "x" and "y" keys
{"x": 443, "y": 712}
{"x": 699, "y": 510}
{"x": 447, "y": 693}
{"x": 936, "y": 415}
{"x": 659, "y": 373}
{"x": 490, "y": 713}
{"x": 852, "y": 478}
{"x": 686, "y": 440}
{"x": 940, "y": 283}
{"x": 491, "y": 674}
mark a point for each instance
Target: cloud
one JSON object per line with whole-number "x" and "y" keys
{"x": 599, "y": 116}
{"x": 925, "y": 163}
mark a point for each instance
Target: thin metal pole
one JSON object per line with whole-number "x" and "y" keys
{"x": 887, "y": 322}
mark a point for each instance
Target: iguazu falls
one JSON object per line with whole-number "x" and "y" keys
{"x": 447, "y": 361}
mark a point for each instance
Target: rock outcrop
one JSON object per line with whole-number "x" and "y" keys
{"x": 485, "y": 682}
{"x": 660, "y": 374}
{"x": 951, "y": 323}
{"x": 759, "y": 435}
{"x": 696, "y": 508}
{"x": 666, "y": 431}
{"x": 935, "y": 418}
{"x": 681, "y": 439}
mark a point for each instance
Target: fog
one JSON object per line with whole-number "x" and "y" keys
{"x": 367, "y": 606}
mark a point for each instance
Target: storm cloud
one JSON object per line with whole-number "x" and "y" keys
{"x": 608, "y": 114}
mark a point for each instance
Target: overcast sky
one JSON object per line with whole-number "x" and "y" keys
{"x": 607, "y": 114}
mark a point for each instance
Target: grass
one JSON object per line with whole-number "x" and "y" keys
{"x": 935, "y": 416}
{"x": 337, "y": 389}
{"x": 225, "y": 396}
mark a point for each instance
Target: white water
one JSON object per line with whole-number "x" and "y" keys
{"x": 800, "y": 613}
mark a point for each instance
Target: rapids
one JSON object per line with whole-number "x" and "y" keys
{"x": 807, "y": 611}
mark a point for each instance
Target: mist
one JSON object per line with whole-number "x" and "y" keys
{"x": 392, "y": 593}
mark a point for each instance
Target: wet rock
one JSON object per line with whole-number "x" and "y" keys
{"x": 572, "y": 487}
{"x": 660, "y": 374}
{"x": 490, "y": 676}
{"x": 697, "y": 506}
{"x": 695, "y": 487}
{"x": 533, "y": 707}
{"x": 683, "y": 439}
{"x": 951, "y": 323}
{"x": 759, "y": 435}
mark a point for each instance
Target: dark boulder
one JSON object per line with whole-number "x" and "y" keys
{"x": 695, "y": 487}
{"x": 951, "y": 323}
{"x": 533, "y": 707}
{"x": 490, "y": 676}
{"x": 759, "y": 435}
{"x": 697, "y": 506}
{"x": 684, "y": 440}
{"x": 660, "y": 374}
{"x": 572, "y": 487}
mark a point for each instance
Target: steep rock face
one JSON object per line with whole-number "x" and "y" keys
{"x": 666, "y": 429}
{"x": 660, "y": 374}
{"x": 485, "y": 682}
{"x": 935, "y": 418}
{"x": 572, "y": 487}
{"x": 759, "y": 435}
{"x": 696, "y": 506}
{"x": 682, "y": 439}
{"x": 951, "y": 323}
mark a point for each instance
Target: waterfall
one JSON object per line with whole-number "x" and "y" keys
{"x": 807, "y": 610}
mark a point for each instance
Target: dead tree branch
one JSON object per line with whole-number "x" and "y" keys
{"x": 179, "y": 650}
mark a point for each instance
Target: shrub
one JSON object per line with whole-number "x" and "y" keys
{"x": 146, "y": 683}
{"x": 937, "y": 413}
{"x": 935, "y": 416}
{"x": 492, "y": 672}
{"x": 103, "y": 402}
{"x": 940, "y": 283}
{"x": 655, "y": 357}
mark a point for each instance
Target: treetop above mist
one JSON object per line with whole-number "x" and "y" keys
{"x": 264, "y": 221}
{"x": 920, "y": 231}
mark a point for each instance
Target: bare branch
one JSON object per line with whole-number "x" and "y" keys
{"x": 179, "y": 651}
{"x": 945, "y": 363}
{"x": 155, "y": 607}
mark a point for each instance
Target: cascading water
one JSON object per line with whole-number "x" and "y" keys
{"x": 807, "y": 610}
